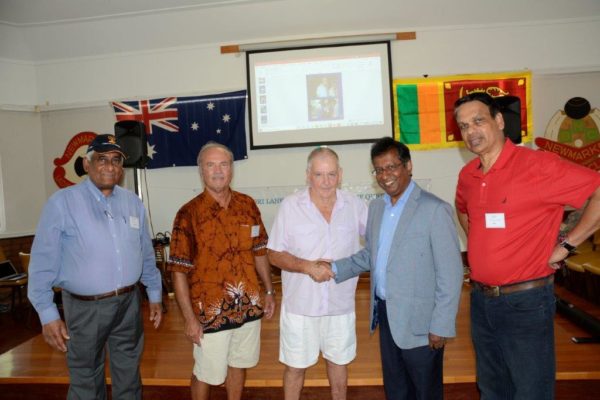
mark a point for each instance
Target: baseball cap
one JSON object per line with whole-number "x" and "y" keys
{"x": 105, "y": 143}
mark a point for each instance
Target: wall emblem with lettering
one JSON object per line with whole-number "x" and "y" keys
{"x": 574, "y": 133}
{"x": 69, "y": 168}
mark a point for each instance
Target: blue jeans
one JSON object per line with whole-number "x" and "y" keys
{"x": 513, "y": 336}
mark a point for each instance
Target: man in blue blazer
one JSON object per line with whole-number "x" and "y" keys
{"x": 416, "y": 269}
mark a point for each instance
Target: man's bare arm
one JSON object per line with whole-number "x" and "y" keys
{"x": 318, "y": 270}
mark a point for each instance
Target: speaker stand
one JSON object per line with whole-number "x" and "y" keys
{"x": 136, "y": 182}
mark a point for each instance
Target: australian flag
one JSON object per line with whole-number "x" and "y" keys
{"x": 177, "y": 127}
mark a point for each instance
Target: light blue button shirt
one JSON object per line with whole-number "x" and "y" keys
{"x": 88, "y": 244}
{"x": 389, "y": 222}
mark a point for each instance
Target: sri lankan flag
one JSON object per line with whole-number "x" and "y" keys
{"x": 424, "y": 107}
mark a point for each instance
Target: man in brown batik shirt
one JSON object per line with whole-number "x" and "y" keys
{"x": 218, "y": 246}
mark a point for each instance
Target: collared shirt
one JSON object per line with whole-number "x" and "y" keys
{"x": 389, "y": 222}
{"x": 88, "y": 244}
{"x": 216, "y": 247}
{"x": 515, "y": 210}
{"x": 301, "y": 230}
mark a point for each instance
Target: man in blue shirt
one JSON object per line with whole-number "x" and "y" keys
{"x": 92, "y": 241}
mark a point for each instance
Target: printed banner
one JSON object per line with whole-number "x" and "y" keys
{"x": 424, "y": 107}
{"x": 268, "y": 198}
{"x": 177, "y": 127}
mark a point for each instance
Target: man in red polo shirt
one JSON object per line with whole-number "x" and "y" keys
{"x": 510, "y": 203}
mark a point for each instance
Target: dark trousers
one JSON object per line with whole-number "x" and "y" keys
{"x": 513, "y": 336}
{"x": 408, "y": 373}
{"x": 114, "y": 323}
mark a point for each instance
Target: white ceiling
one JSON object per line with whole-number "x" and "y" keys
{"x": 34, "y": 12}
{"x": 456, "y": 12}
{"x": 46, "y": 30}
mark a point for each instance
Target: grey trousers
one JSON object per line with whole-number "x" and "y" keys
{"x": 94, "y": 326}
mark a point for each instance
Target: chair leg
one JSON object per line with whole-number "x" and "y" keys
{"x": 17, "y": 308}
{"x": 12, "y": 303}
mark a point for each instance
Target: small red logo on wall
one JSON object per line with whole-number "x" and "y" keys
{"x": 69, "y": 168}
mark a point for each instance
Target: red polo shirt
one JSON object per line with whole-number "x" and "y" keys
{"x": 515, "y": 211}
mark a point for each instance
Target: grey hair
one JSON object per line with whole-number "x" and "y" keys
{"x": 90, "y": 154}
{"x": 319, "y": 151}
{"x": 213, "y": 145}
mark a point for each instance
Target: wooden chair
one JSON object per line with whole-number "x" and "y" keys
{"x": 24, "y": 257}
{"x": 589, "y": 245}
{"x": 578, "y": 279}
{"x": 595, "y": 240}
{"x": 593, "y": 270}
{"x": 18, "y": 285}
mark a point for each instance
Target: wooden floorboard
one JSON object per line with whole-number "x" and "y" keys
{"x": 167, "y": 359}
{"x": 15, "y": 327}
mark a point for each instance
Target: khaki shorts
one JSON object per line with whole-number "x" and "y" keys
{"x": 302, "y": 337}
{"x": 237, "y": 348}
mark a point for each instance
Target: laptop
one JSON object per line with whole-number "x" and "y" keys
{"x": 8, "y": 272}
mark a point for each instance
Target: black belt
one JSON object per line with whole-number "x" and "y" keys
{"x": 107, "y": 295}
{"x": 495, "y": 291}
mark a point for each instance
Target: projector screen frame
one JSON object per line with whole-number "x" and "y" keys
{"x": 298, "y": 139}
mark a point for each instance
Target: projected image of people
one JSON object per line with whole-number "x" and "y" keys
{"x": 324, "y": 96}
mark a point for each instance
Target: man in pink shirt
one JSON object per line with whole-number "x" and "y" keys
{"x": 319, "y": 222}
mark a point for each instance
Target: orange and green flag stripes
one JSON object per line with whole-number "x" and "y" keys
{"x": 424, "y": 107}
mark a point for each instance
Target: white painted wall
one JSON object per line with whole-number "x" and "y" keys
{"x": 23, "y": 171}
{"x": 72, "y": 70}
{"x": 18, "y": 85}
{"x": 563, "y": 46}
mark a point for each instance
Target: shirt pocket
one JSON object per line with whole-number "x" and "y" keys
{"x": 346, "y": 240}
{"x": 245, "y": 238}
{"x": 301, "y": 236}
{"x": 132, "y": 236}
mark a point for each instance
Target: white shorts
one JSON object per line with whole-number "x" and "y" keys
{"x": 302, "y": 337}
{"x": 237, "y": 348}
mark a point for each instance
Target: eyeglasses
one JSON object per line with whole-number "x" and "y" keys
{"x": 104, "y": 161}
{"x": 387, "y": 168}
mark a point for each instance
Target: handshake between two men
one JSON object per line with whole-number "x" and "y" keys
{"x": 319, "y": 270}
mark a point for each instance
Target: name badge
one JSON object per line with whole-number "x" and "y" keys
{"x": 255, "y": 231}
{"x": 495, "y": 221}
{"x": 134, "y": 222}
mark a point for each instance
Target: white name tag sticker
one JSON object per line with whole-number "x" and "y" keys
{"x": 255, "y": 231}
{"x": 134, "y": 222}
{"x": 495, "y": 221}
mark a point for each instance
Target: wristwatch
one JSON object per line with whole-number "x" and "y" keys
{"x": 570, "y": 248}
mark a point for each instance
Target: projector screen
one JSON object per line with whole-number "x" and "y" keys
{"x": 319, "y": 95}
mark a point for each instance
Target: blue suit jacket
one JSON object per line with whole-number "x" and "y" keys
{"x": 424, "y": 271}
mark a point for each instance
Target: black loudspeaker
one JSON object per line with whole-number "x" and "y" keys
{"x": 510, "y": 107}
{"x": 131, "y": 136}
